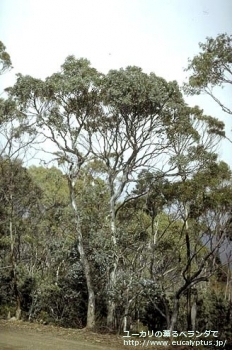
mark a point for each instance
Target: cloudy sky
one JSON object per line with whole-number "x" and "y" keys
{"x": 157, "y": 35}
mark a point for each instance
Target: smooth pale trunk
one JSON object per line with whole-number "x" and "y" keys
{"x": 14, "y": 268}
{"x": 174, "y": 314}
{"x": 85, "y": 263}
{"x": 193, "y": 315}
{"x": 112, "y": 275}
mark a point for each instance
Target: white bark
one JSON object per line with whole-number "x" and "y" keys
{"x": 85, "y": 263}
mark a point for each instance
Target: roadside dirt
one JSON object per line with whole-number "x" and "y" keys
{"x": 28, "y": 336}
{"x": 32, "y": 336}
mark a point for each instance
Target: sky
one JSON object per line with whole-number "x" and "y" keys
{"x": 157, "y": 35}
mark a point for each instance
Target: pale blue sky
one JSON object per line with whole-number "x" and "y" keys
{"x": 157, "y": 35}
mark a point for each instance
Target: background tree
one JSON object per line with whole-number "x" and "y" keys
{"x": 211, "y": 68}
{"x": 19, "y": 197}
{"x": 5, "y": 60}
{"x": 64, "y": 108}
{"x": 55, "y": 266}
{"x": 15, "y": 136}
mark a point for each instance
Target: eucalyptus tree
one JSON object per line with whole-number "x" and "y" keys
{"x": 190, "y": 230}
{"x": 193, "y": 140}
{"x": 53, "y": 259}
{"x": 193, "y": 148}
{"x": 19, "y": 198}
{"x": 16, "y": 202}
{"x": 15, "y": 138}
{"x": 64, "y": 108}
{"x": 53, "y": 224}
{"x": 211, "y": 68}
{"x": 131, "y": 135}
{"x": 202, "y": 216}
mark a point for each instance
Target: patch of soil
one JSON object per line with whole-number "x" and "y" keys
{"x": 18, "y": 335}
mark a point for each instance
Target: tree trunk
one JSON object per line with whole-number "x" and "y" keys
{"x": 91, "y": 310}
{"x": 91, "y": 295}
{"x": 193, "y": 316}
{"x": 124, "y": 327}
{"x": 110, "y": 314}
{"x": 188, "y": 262}
{"x": 84, "y": 261}
{"x": 110, "y": 303}
{"x": 18, "y": 309}
{"x": 14, "y": 267}
{"x": 189, "y": 310}
{"x": 112, "y": 273}
{"x": 174, "y": 314}
{"x": 167, "y": 314}
{"x": 17, "y": 295}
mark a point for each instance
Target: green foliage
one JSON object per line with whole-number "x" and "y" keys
{"x": 214, "y": 313}
{"x": 213, "y": 64}
{"x": 18, "y": 195}
{"x": 133, "y": 92}
{"x": 212, "y": 67}
{"x": 5, "y": 61}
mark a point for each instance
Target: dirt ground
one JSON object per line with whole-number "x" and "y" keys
{"x": 25, "y": 336}
{"x": 18, "y": 335}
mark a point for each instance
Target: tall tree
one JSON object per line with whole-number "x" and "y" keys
{"x": 64, "y": 108}
{"x": 131, "y": 135}
{"x": 192, "y": 141}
